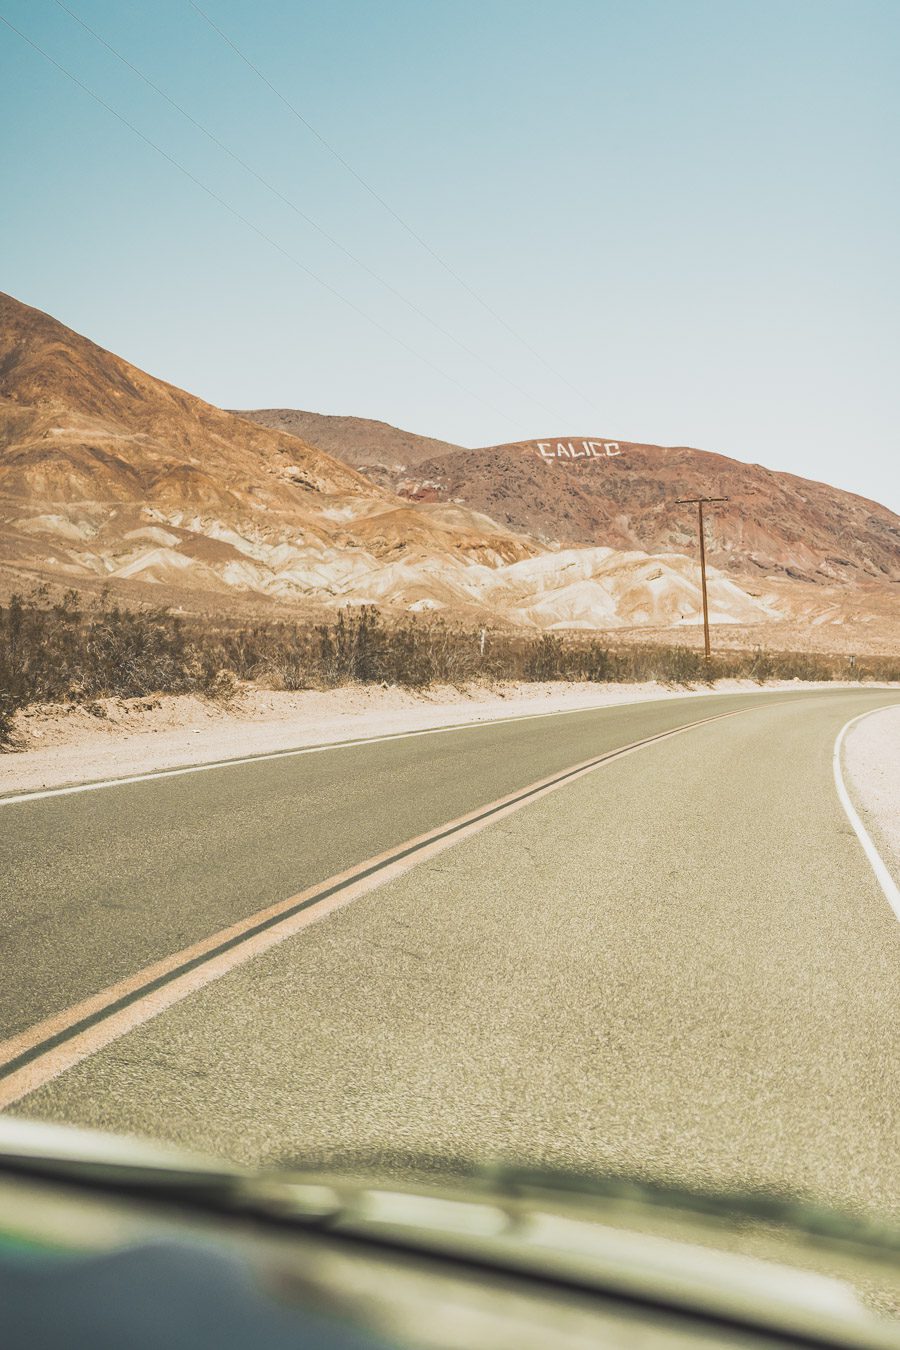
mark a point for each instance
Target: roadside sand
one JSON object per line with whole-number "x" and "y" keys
{"x": 872, "y": 769}
{"x": 132, "y": 736}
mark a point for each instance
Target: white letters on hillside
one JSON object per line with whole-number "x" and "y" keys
{"x": 589, "y": 449}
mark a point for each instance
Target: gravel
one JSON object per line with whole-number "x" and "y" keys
{"x": 872, "y": 768}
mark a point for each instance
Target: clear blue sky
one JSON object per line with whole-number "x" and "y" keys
{"x": 688, "y": 207}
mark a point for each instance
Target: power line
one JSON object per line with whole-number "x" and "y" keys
{"x": 367, "y": 186}
{"x": 243, "y": 219}
{"x": 248, "y": 168}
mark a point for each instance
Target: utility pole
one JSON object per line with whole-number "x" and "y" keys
{"x": 700, "y": 502}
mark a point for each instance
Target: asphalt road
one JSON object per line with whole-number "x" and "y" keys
{"x": 679, "y": 964}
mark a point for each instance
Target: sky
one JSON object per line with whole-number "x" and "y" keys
{"x": 672, "y": 221}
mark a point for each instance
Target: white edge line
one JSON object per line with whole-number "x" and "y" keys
{"x": 151, "y": 774}
{"x": 879, "y": 867}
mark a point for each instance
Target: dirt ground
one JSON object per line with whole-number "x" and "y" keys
{"x": 872, "y": 767}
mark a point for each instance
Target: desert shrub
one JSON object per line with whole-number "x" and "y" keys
{"x": 882, "y": 669}
{"x": 127, "y": 653}
{"x": 58, "y": 652}
{"x": 283, "y": 656}
{"x": 67, "y": 650}
{"x": 545, "y": 659}
{"x": 437, "y": 653}
{"x": 404, "y": 658}
{"x": 681, "y": 665}
{"x": 646, "y": 661}
{"x": 290, "y": 670}
{"x": 760, "y": 666}
{"x": 600, "y": 664}
{"x": 353, "y": 647}
{"x": 800, "y": 666}
{"x": 9, "y": 706}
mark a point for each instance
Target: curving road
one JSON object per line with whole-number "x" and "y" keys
{"x": 678, "y": 962}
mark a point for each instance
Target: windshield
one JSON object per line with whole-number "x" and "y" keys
{"x": 425, "y": 809}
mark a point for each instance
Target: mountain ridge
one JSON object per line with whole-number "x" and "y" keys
{"x": 807, "y": 528}
{"x": 111, "y": 478}
{"x": 355, "y": 440}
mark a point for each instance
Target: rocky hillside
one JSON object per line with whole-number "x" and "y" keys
{"x": 622, "y": 495}
{"x": 355, "y": 440}
{"x": 78, "y": 422}
{"x": 109, "y": 477}
{"x": 107, "y": 473}
{"x": 772, "y": 522}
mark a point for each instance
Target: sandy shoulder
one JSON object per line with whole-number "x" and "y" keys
{"x": 132, "y": 736}
{"x": 872, "y": 771}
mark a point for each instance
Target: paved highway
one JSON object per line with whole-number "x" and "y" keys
{"x": 678, "y": 963}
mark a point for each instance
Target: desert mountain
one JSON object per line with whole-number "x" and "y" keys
{"x": 577, "y": 491}
{"x": 772, "y": 522}
{"x": 108, "y": 473}
{"x": 354, "y": 440}
{"x": 111, "y": 477}
{"x": 78, "y": 421}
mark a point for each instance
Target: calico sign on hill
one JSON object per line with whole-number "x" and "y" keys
{"x": 569, "y": 449}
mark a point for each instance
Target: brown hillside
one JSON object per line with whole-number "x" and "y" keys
{"x": 109, "y": 477}
{"x": 78, "y": 422}
{"x": 355, "y": 440}
{"x": 773, "y": 523}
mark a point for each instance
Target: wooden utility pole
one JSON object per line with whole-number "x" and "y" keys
{"x": 700, "y": 502}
